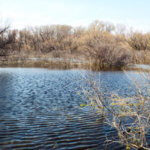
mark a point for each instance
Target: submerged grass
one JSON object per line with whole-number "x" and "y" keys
{"x": 44, "y": 64}
{"x": 65, "y": 64}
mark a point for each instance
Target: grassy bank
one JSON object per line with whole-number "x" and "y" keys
{"x": 44, "y": 63}
{"x": 62, "y": 63}
{"x": 112, "y": 59}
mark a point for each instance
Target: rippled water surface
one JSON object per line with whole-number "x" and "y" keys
{"x": 40, "y": 109}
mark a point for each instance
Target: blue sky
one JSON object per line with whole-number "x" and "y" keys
{"x": 21, "y": 13}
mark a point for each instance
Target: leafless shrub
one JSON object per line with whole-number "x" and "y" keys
{"x": 139, "y": 41}
{"x": 6, "y": 39}
{"x": 130, "y": 116}
{"x": 103, "y": 48}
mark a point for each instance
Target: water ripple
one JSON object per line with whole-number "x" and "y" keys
{"x": 40, "y": 109}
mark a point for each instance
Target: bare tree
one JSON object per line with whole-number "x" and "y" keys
{"x": 6, "y": 38}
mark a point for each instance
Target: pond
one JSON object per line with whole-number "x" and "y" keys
{"x": 41, "y": 109}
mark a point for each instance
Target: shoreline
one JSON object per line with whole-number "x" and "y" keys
{"x": 60, "y": 63}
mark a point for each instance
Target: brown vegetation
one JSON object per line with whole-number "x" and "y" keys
{"x": 105, "y": 45}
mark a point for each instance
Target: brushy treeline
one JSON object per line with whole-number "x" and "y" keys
{"x": 104, "y": 44}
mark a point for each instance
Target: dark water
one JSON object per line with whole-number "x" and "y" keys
{"x": 40, "y": 109}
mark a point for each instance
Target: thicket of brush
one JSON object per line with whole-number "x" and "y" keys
{"x": 105, "y": 45}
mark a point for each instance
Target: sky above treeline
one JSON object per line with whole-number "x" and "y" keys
{"x": 23, "y": 13}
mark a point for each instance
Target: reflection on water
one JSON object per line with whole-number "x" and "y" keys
{"x": 142, "y": 66}
{"x": 40, "y": 109}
